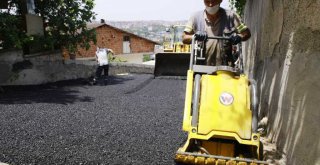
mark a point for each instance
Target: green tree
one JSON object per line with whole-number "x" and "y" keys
{"x": 238, "y": 5}
{"x": 11, "y": 34}
{"x": 65, "y": 23}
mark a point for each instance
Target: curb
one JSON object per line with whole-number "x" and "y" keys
{"x": 117, "y": 68}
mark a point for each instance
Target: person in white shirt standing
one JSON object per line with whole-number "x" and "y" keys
{"x": 103, "y": 63}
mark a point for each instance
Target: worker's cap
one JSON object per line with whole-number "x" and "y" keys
{"x": 110, "y": 51}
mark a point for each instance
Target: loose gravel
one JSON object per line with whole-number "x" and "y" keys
{"x": 135, "y": 119}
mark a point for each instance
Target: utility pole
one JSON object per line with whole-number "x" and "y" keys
{"x": 33, "y": 24}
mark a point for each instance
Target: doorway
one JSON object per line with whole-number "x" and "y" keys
{"x": 126, "y": 44}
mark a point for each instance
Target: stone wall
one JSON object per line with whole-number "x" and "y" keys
{"x": 283, "y": 55}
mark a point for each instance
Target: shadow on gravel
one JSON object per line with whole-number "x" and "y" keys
{"x": 63, "y": 92}
{"x": 140, "y": 86}
{"x": 110, "y": 80}
{"x": 114, "y": 80}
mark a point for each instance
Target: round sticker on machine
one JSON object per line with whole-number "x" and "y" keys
{"x": 226, "y": 98}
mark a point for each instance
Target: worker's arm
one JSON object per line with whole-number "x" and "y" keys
{"x": 97, "y": 54}
{"x": 187, "y": 37}
{"x": 189, "y": 31}
{"x": 242, "y": 30}
{"x": 245, "y": 35}
{"x": 97, "y": 59}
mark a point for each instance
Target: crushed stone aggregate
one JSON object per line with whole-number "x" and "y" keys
{"x": 134, "y": 119}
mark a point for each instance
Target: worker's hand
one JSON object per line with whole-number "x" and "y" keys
{"x": 201, "y": 35}
{"x": 235, "y": 39}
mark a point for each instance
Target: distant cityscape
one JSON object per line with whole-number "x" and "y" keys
{"x": 153, "y": 30}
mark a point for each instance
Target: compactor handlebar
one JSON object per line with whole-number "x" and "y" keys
{"x": 194, "y": 38}
{"x": 198, "y": 46}
{"x": 194, "y": 56}
{"x": 219, "y": 38}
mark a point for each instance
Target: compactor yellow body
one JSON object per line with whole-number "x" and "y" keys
{"x": 220, "y": 126}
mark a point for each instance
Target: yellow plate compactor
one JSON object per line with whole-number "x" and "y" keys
{"x": 220, "y": 114}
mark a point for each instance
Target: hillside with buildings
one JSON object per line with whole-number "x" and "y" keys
{"x": 153, "y": 30}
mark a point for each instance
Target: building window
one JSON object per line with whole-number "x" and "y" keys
{"x": 126, "y": 38}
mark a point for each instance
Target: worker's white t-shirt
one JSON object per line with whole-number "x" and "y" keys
{"x": 102, "y": 56}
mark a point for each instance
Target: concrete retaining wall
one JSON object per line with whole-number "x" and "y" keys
{"x": 15, "y": 69}
{"x": 283, "y": 55}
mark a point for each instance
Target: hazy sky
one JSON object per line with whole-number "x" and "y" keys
{"x": 133, "y": 10}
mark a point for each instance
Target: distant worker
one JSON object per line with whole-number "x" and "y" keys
{"x": 103, "y": 64}
{"x": 215, "y": 21}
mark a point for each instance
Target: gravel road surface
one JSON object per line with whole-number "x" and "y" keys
{"x": 135, "y": 119}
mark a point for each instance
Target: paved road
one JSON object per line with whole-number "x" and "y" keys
{"x": 133, "y": 120}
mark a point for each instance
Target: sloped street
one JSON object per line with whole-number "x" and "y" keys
{"x": 135, "y": 119}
